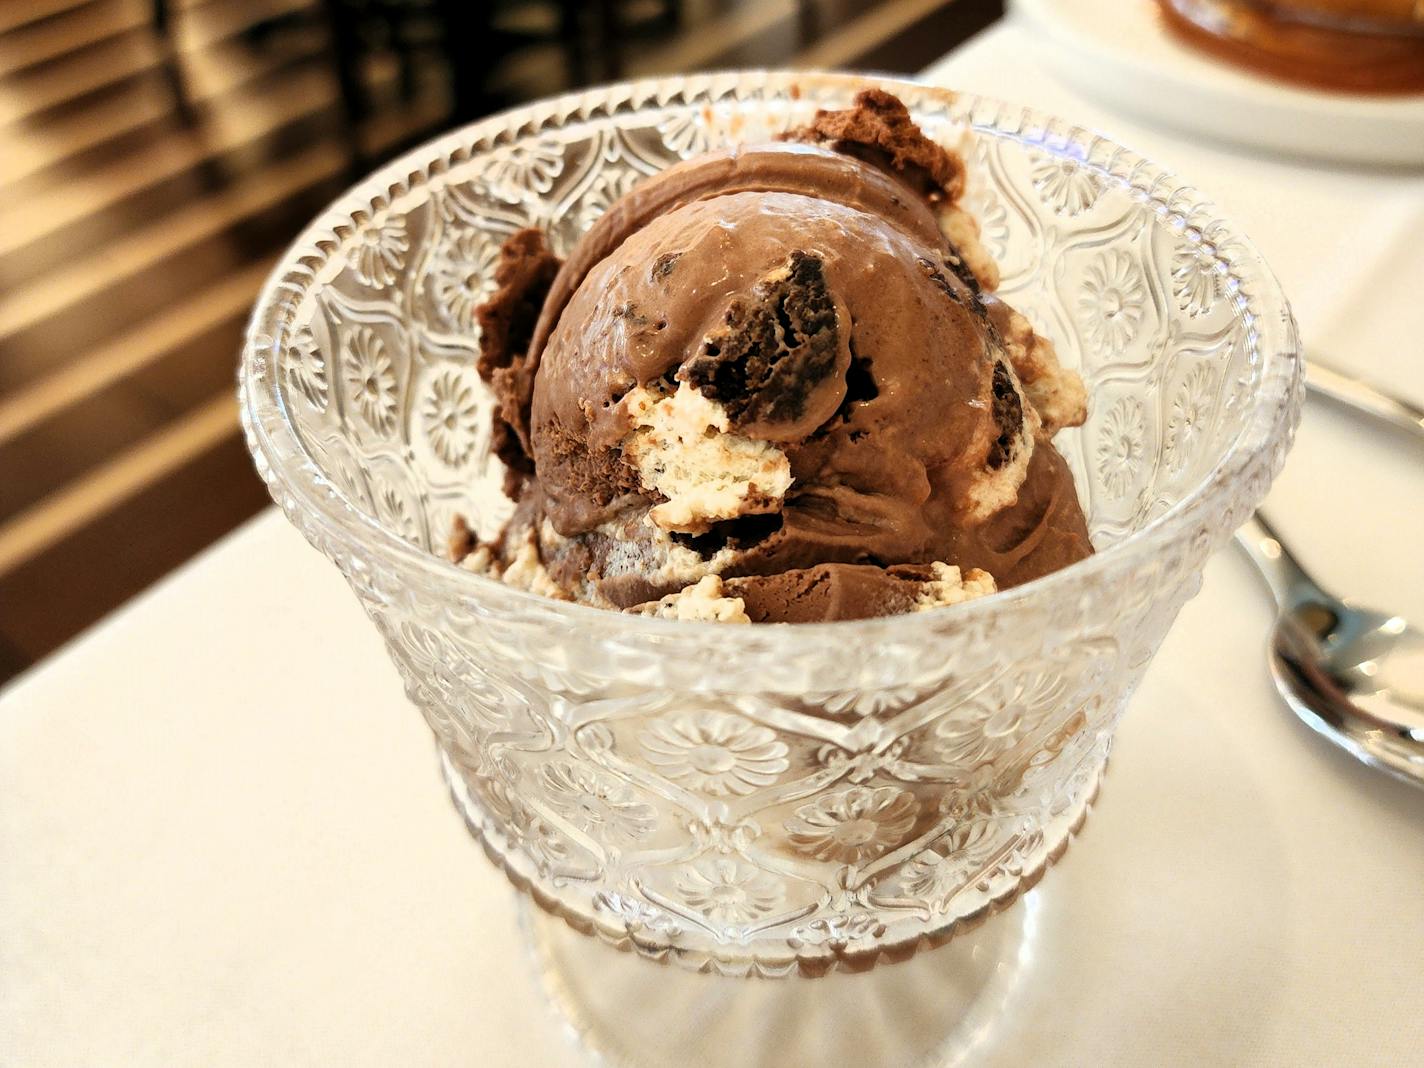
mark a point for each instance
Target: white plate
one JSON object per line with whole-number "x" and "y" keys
{"x": 1118, "y": 52}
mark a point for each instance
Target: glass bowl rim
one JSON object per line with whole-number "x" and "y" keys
{"x": 298, "y": 482}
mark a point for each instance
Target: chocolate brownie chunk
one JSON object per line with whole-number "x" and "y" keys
{"x": 878, "y": 129}
{"x": 775, "y": 347}
{"x": 1008, "y": 416}
{"x": 523, "y": 276}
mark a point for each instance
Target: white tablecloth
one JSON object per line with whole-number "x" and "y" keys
{"x": 223, "y": 840}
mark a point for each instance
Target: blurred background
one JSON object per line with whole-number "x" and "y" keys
{"x": 157, "y": 155}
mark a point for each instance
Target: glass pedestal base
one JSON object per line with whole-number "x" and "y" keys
{"x": 936, "y": 1008}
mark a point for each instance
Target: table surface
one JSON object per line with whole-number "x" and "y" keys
{"x": 223, "y": 840}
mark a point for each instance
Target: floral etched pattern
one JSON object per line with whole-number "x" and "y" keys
{"x": 990, "y": 726}
{"x": 686, "y": 134}
{"x": 501, "y": 803}
{"x": 550, "y": 850}
{"x": 636, "y": 914}
{"x": 1111, "y": 304}
{"x": 306, "y": 370}
{"x": 1065, "y": 185}
{"x": 863, "y": 703}
{"x": 397, "y": 514}
{"x": 525, "y": 169}
{"x": 380, "y": 251}
{"x": 840, "y": 930}
{"x": 1191, "y": 411}
{"x": 437, "y": 660}
{"x": 345, "y": 474}
{"x": 854, "y": 825}
{"x": 462, "y": 277}
{"x": 1196, "y": 282}
{"x": 608, "y": 187}
{"x": 993, "y": 226}
{"x": 450, "y": 417}
{"x": 935, "y": 875}
{"x": 930, "y": 876}
{"x": 597, "y": 804}
{"x": 726, "y": 890}
{"x": 715, "y": 753}
{"x": 371, "y": 378}
{"x": 1121, "y": 447}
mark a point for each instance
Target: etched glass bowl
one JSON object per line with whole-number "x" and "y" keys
{"x": 768, "y": 799}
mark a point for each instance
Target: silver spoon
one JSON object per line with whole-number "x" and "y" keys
{"x": 1354, "y": 675}
{"x": 1340, "y": 387}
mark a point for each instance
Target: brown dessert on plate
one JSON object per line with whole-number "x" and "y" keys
{"x": 1366, "y": 46}
{"x": 772, "y": 384}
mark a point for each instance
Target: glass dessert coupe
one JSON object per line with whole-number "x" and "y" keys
{"x": 768, "y": 800}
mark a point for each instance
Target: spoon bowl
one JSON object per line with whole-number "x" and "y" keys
{"x": 1353, "y": 675}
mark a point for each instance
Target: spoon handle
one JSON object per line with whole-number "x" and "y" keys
{"x": 1290, "y": 583}
{"x": 1364, "y": 398}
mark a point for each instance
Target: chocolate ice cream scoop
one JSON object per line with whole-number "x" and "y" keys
{"x": 816, "y": 332}
{"x": 770, "y": 366}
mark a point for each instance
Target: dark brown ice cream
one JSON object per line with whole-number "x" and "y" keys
{"x": 769, "y": 385}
